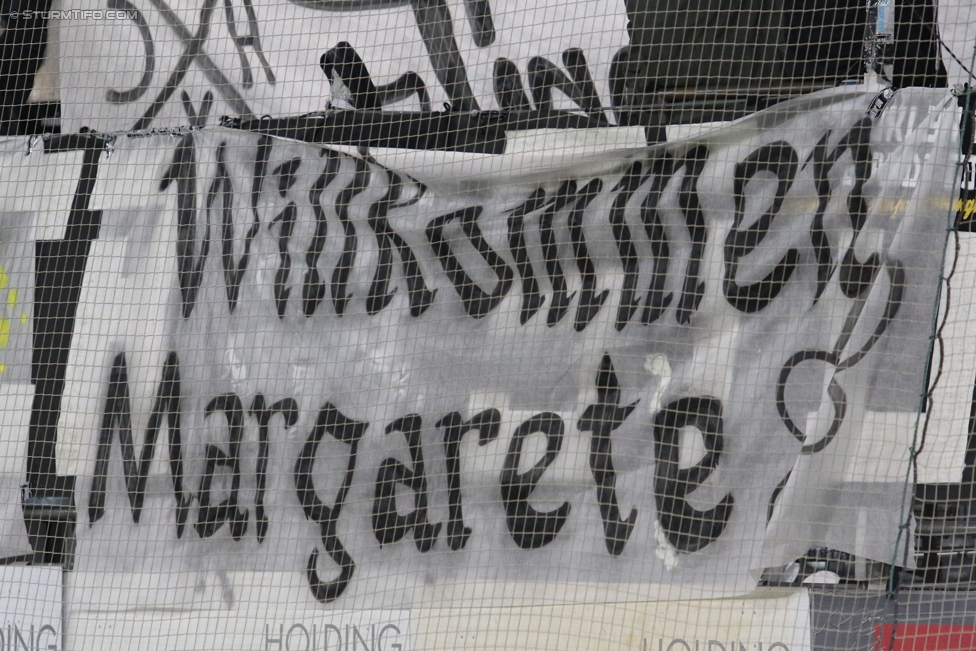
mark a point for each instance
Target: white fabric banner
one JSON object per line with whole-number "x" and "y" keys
{"x": 645, "y": 378}
{"x": 129, "y": 71}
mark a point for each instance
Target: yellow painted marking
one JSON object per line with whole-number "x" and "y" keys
{"x": 12, "y": 298}
{"x": 23, "y": 318}
{"x": 969, "y": 209}
{"x": 4, "y": 280}
{"x": 4, "y": 332}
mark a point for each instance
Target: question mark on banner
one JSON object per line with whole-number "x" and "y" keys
{"x": 897, "y": 283}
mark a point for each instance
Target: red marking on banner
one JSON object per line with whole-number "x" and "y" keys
{"x": 924, "y": 637}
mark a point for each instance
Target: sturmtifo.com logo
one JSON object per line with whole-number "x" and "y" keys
{"x": 74, "y": 14}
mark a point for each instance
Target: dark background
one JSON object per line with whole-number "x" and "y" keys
{"x": 697, "y": 58}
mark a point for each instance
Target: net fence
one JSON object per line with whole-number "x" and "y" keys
{"x": 487, "y": 324}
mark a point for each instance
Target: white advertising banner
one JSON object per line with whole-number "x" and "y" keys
{"x": 767, "y": 620}
{"x": 30, "y": 606}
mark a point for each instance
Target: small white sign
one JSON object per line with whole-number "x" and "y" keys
{"x": 30, "y": 606}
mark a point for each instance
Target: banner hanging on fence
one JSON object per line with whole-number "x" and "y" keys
{"x": 121, "y": 66}
{"x": 657, "y": 380}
